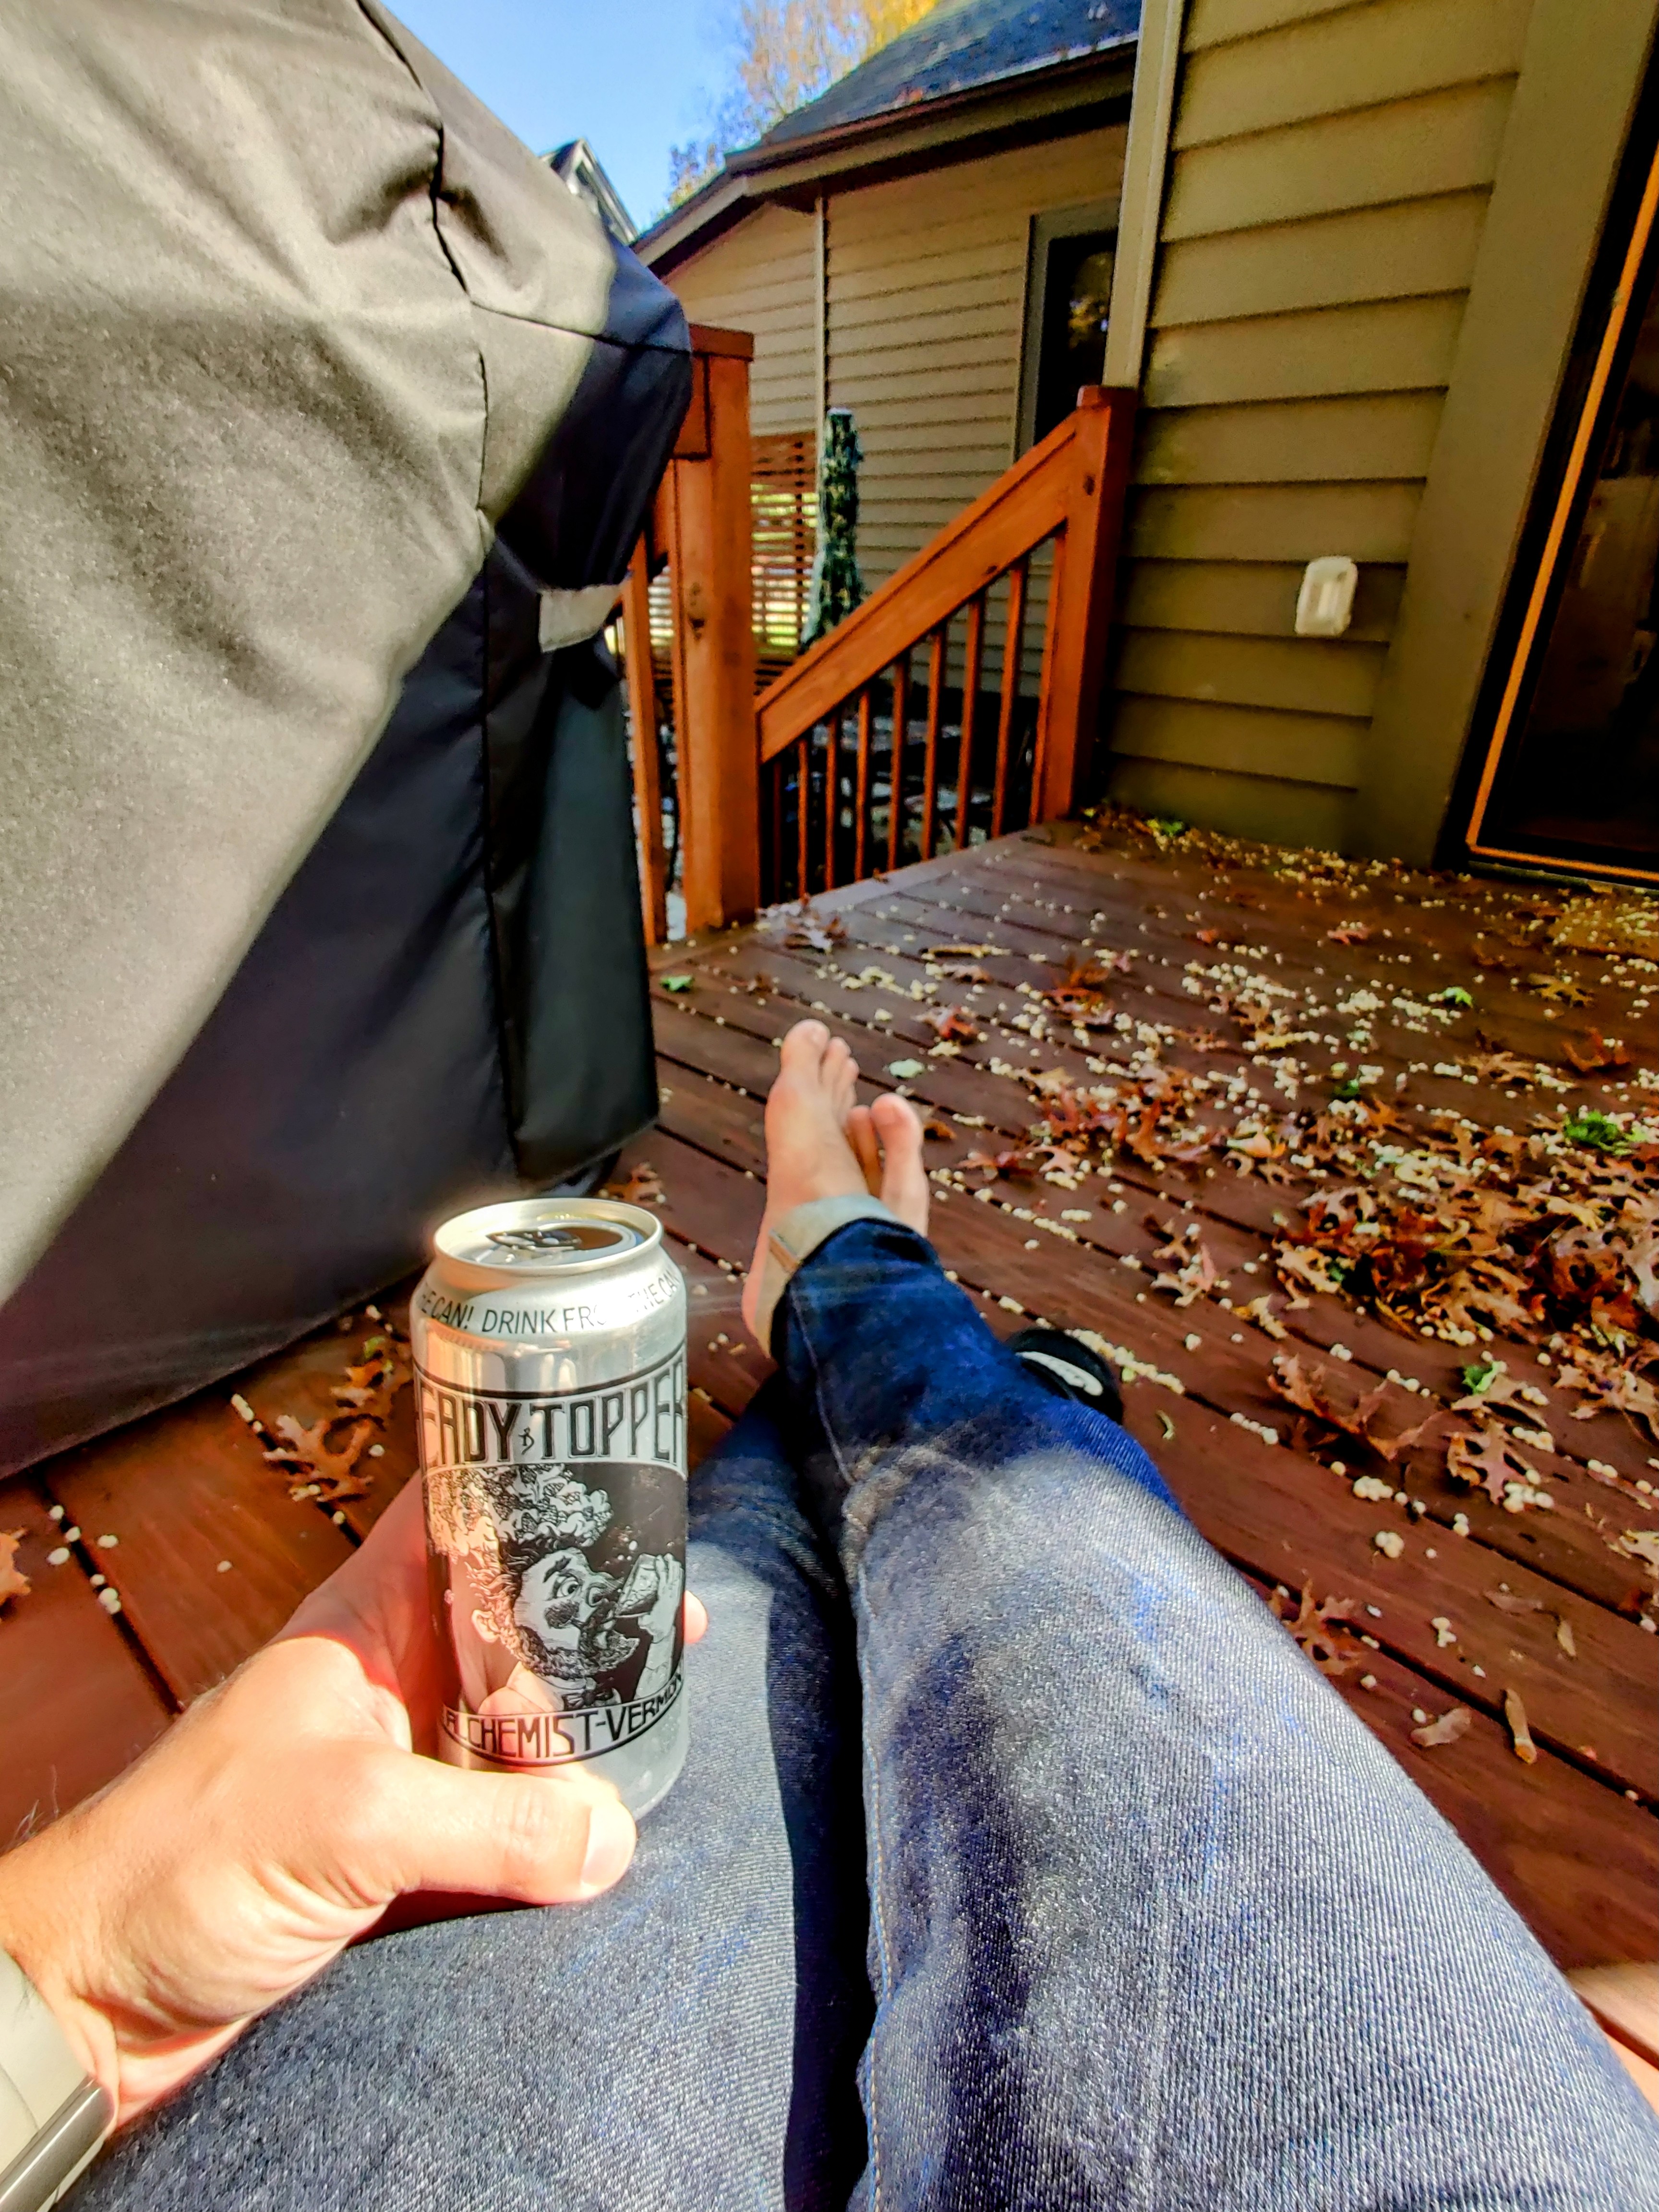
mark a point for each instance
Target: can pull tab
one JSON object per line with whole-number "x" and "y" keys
{"x": 552, "y": 1238}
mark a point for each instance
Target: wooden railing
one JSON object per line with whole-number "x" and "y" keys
{"x": 700, "y": 526}
{"x": 823, "y": 804}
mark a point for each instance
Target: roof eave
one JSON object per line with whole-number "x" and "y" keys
{"x": 686, "y": 229}
{"x": 1006, "y": 109}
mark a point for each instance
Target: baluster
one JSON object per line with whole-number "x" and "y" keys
{"x": 1013, "y": 646}
{"x": 861, "y": 823}
{"x": 1046, "y": 700}
{"x": 803, "y": 790}
{"x": 642, "y": 715}
{"x": 973, "y": 655}
{"x": 775, "y": 808}
{"x": 895, "y": 780}
{"x": 935, "y": 716}
{"x": 832, "y": 798}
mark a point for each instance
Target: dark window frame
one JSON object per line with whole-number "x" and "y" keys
{"x": 1054, "y": 223}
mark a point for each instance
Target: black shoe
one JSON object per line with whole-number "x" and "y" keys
{"x": 1069, "y": 1369}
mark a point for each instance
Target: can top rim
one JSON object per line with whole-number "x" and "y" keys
{"x": 520, "y": 1240}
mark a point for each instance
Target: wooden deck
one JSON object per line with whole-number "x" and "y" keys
{"x": 1251, "y": 986}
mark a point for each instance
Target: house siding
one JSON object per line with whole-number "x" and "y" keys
{"x": 927, "y": 316}
{"x": 1328, "y": 176}
{"x": 760, "y": 278}
{"x": 925, "y": 320}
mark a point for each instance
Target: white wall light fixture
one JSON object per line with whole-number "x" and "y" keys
{"x": 1324, "y": 605}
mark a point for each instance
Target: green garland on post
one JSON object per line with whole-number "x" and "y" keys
{"x": 837, "y": 586}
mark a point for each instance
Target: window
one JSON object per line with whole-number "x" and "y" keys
{"x": 1068, "y": 289}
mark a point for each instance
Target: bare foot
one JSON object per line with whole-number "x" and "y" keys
{"x": 820, "y": 1144}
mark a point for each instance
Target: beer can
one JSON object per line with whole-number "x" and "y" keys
{"x": 550, "y": 1374}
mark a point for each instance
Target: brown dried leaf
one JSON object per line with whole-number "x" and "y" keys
{"x": 952, "y": 1023}
{"x": 991, "y": 1164}
{"x": 1312, "y": 1627}
{"x": 1597, "y": 1053}
{"x": 1349, "y": 932}
{"x": 1487, "y": 1460}
{"x": 641, "y": 1186}
{"x": 375, "y": 1382}
{"x": 1447, "y": 1730}
{"x": 816, "y": 933}
{"x": 1507, "y": 1601}
{"x": 308, "y": 1458}
{"x": 935, "y": 1125}
{"x": 1260, "y": 1310}
{"x": 1516, "y": 1714}
{"x": 1561, "y": 990}
{"x": 12, "y": 1584}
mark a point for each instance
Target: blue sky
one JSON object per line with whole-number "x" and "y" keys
{"x": 631, "y": 76}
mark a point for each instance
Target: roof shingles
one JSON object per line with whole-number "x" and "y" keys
{"x": 959, "y": 46}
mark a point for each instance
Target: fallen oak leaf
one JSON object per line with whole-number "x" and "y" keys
{"x": 12, "y": 1583}
{"x": 1447, "y": 1730}
{"x": 1507, "y": 1601}
{"x": 1597, "y": 1053}
{"x": 992, "y": 1165}
{"x": 951, "y": 1023}
{"x": 316, "y": 1468}
{"x": 1260, "y": 1312}
{"x": 1487, "y": 1460}
{"x": 641, "y": 1186}
{"x": 375, "y": 1382}
{"x": 1520, "y": 1735}
{"x": 1312, "y": 1627}
{"x": 1561, "y": 990}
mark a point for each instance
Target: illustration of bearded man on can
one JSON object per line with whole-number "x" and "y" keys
{"x": 536, "y": 1624}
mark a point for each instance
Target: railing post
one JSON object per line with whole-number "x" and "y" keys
{"x": 643, "y": 714}
{"x": 1086, "y": 564}
{"x": 708, "y": 535}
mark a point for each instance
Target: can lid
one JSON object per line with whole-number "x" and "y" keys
{"x": 544, "y": 1235}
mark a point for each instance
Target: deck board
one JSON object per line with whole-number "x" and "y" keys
{"x": 79, "y": 1703}
{"x": 1575, "y": 1853}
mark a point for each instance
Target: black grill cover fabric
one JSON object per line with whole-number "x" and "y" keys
{"x": 449, "y": 1002}
{"x": 296, "y": 339}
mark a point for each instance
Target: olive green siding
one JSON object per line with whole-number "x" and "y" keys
{"x": 1328, "y": 175}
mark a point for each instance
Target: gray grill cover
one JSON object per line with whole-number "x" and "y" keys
{"x": 291, "y": 326}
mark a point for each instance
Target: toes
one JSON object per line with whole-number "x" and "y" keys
{"x": 866, "y": 1150}
{"x": 840, "y": 1073}
{"x": 904, "y": 1178}
{"x": 804, "y": 1048}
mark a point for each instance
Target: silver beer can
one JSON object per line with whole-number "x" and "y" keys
{"x": 550, "y": 1375}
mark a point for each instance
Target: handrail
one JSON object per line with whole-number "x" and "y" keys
{"x": 1069, "y": 483}
{"x": 1026, "y": 504}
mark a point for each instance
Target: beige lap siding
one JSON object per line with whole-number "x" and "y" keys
{"x": 760, "y": 277}
{"x": 1329, "y": 172}
{"x": 926, "y": 315}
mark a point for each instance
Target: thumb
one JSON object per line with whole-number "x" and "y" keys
{"x": 539, "y": 1840}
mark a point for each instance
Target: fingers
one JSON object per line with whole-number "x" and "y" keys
{"x": 866, "y": 1150}
{"x": 539, "y": 1840}
{"x": 696, "y": 1619}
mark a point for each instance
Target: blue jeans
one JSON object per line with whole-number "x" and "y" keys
{"x": 1011, "y": 1812}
